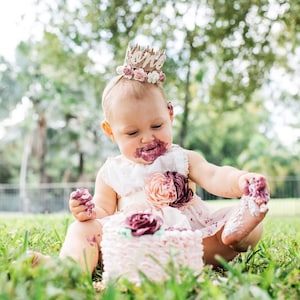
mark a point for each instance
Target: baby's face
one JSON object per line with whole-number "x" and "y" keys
{"x": 141, "y": 127}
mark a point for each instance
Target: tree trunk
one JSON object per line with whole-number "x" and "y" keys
{"x": 187, "y": 100}
{"x": 23, "y": 174}
{"x": 42, "y": 151}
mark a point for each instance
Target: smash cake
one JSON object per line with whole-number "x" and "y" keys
{"x": 141, "y": 243}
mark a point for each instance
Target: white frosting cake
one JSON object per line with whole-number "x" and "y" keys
{"x": 125, "y": 255}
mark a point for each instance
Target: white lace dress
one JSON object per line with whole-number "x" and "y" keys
{"x": 128, "y": 180}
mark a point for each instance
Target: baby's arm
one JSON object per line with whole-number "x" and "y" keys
{"x": 104, "y": 201}
{"x": 105, "y": 198}
{"x": 225, "y": 181}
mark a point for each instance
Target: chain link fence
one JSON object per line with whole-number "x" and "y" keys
{"x": 54, "y": 197}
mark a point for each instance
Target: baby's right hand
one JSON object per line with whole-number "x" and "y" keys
{"x": 81, "y": 205}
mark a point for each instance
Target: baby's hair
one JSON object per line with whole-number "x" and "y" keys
{"x": 133, "y": 87}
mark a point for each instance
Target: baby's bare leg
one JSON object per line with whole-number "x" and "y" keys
{"x": 243, "y": 227}
{"x": 214, "y": 245}
{"x": 82, "y": 244}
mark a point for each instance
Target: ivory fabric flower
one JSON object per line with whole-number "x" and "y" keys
{"x": 169, "y": 188}
{"x": 143, "y": 223}
{"x": 153, "y": 77}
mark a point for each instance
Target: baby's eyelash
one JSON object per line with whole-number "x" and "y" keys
{"x": 156, "y": 126}
{"x": 131, "y": 133}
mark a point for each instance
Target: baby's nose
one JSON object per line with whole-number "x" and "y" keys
{"x": 147, "y": 138}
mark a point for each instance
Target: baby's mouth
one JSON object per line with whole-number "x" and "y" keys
{"x": 151, "y": 152}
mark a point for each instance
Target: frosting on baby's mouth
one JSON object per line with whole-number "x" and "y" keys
{"x": 152, "y": 151}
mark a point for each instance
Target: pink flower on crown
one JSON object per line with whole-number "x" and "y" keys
{"x": 139, "y": 75}
{"x": 128, "y": 72}
{"x": 162, "y": 77}
{"x": 169, "y": 188}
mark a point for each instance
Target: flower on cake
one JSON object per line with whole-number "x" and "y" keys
{"x": 169, "y": 188}
{"x": 143, "y": 223}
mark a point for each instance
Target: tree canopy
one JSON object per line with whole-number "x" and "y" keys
{"x": 224, "y": 65}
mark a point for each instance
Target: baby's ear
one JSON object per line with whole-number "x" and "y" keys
{"x": 171, "y": 110}
{"x": 107, "y": 129}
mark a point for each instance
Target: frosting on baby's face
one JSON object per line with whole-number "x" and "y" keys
{"x": 141, "y": 125}
{"x": 151, "y": 152}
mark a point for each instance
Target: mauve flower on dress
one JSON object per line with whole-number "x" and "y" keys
{"x": 143, "y": 223}
{"x": 169, "y": 188}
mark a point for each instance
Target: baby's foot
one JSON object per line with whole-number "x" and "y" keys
{"x": 37, "y": 258}
{"x": 251, "y": 211}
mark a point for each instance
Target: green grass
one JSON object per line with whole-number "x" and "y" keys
{"x": 270, "y": 271}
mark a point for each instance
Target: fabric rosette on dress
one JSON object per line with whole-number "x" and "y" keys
{"x": 167, "y": 192}
{"x": 169, "y": 188}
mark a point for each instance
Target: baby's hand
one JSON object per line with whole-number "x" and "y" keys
{"x": 81, "y": 205}
{"x": 255, "y": 186}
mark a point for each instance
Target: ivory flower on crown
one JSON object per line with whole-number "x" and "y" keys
{"x": 153, "y": 77}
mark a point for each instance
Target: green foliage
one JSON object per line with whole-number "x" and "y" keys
{"x": 220, "y": 55}
{"x": 270, "y": 271}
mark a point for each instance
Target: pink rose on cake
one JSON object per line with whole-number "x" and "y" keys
{"x": 143, "y": 223}
{"x": 169, "y": 188}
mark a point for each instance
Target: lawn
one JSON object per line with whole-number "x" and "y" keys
{"x": 270, "y": 271}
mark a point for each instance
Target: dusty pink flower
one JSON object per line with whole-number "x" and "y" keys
{"x": 160, "y": 190}
{"x": 143, "y": 223}
{"x": 162, "y": 77}
{"x": 128, "y": 72}
{"x": 139, "y": 75}
{"x": 169, "y": 188}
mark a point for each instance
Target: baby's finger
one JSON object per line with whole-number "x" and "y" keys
{"x": 85, "y": 215}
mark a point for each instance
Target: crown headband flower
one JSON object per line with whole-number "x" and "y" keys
{"x": 143, "y": 65}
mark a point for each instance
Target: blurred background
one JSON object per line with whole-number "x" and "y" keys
{"x": 233, "y": 73}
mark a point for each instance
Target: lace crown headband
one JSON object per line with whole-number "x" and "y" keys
{"x": 143, "y": 65}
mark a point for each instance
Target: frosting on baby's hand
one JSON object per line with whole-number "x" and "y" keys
{"x": 85, "y": 198}
{"x": 257, "y": 195}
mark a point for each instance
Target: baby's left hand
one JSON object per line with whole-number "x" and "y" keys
{"x": 255, "y": 185}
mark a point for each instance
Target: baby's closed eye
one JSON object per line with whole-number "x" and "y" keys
{"x": 156, "y": 126}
